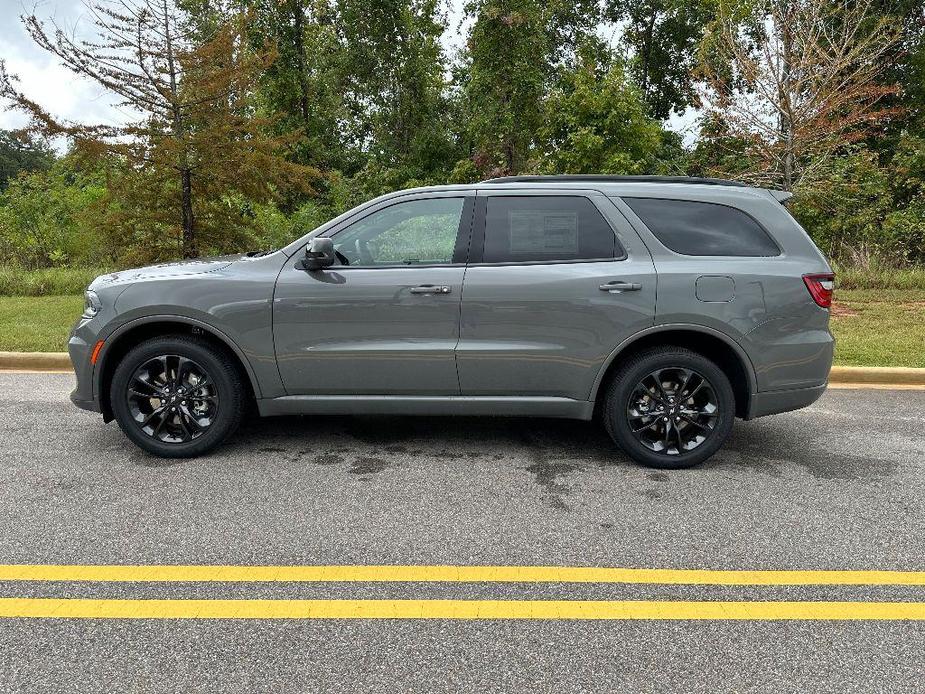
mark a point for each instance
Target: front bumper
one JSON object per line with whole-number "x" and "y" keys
{"x": 79, "y": 351}
{"x": 90, "y": 405}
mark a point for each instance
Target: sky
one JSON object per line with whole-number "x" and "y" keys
{"x": 70, "y": 98}
{"x": 41, "y": 76}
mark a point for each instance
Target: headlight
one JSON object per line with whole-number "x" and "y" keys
{"x": 92, "y": 304}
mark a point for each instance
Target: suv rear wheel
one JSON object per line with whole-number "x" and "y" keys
{"x": 669, "y": 408}
{"x": 177, "y": 396}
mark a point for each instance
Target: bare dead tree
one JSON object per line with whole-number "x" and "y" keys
{"x": 795, "y": 80}
{"x": 191, "y": 101}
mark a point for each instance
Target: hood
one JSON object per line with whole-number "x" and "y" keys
{"x": 183, "y": 268}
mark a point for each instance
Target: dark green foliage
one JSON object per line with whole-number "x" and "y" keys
{"x": 596, "y": 122}
{"x": 46, "y": 218}
{"x": 21, "y": 154}
{"x": 508, "y": 58}
{"x": 664, "y": 36}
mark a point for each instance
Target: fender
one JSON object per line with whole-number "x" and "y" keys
{"x": 173, "y": 318}
{"x": 665, "y": 327}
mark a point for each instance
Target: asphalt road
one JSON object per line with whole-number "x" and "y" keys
{"x": 837, "y": 486}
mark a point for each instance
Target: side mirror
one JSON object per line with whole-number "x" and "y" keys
{"x": 318, "y": 254}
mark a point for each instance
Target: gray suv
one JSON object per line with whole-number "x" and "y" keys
{"x": 666, "y": 307}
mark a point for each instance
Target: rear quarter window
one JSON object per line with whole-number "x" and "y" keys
{"x": 703, "y": 228}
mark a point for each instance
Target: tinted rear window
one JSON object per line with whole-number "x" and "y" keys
{"x": 545, "y": 228}
{"x": 703, "y": 228}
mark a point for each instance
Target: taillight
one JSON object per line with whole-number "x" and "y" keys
{"x": 821, "y": 287}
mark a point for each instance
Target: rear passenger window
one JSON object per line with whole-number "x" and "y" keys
{"x": 545, "y": 228}
{"x": 703, "y": 228}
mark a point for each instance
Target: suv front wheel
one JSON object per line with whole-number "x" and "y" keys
{"x": 669, "y": 408}
{"x": 177, "y": 396}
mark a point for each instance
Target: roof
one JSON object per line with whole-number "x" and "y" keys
{"x": 603, "y": 178}
{"x": 779, "y": 195}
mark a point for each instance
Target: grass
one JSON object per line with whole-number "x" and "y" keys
{"x": 882, "y": 327}
{"x": 37, "y": 324}
{"x": 48, "y": 282}
{"x": 871, "y": 327}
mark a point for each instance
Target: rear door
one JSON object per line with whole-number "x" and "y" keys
{"x": 556, "y": 280}
{"x": 385, "y": 321}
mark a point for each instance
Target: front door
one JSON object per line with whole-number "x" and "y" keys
{"x": 556, "y": 281}
{"x": 385, "y": 320}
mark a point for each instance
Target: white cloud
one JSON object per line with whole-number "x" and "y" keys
{"x": 42, "y": 77}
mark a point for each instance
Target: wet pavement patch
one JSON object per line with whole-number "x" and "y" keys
{"x": 328, "y": 459}
{"x": 367, "y": 466}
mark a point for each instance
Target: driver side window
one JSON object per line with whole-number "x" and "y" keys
{"x": 416, "y": 232}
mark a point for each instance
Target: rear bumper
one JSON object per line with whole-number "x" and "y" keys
{"x": 777, "y": 401}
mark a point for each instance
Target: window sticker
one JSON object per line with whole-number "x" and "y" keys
{"x": 543, "y": 232}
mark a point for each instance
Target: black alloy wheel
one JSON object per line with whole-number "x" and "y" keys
{"x": 178, "y": 396}
{"x": 669, "y": 407}
{"x": 673, "y": 411}
{"x": 172, "y": 399}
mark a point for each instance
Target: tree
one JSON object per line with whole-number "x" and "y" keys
{"x": 904, "y": 65}
{"x": 596, "y": 122}
{"x": 796, "y": 81}
{"x": 663, "y": 36}
{"x": 394, "y": 77}
{"x": 508, "y": 58}
{"x": 304, "y": 86}
{"x": 197, "y": 141}
{"x": 21, "y": 153}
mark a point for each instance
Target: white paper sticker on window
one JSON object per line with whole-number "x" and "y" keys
{"x": 543, "y": 232}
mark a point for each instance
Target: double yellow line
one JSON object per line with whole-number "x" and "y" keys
{"x": 456, "y": 609}
{"x": 449, "y": 574}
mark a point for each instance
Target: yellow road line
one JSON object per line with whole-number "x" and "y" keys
{"x": 51, "y": 608}
{"x": 457, "y": 574}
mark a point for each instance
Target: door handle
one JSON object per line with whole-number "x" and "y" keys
{"x": 431, "y": 289}
{"x": 616, "y": 287}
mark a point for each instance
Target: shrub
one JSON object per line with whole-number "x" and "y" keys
{"x": 44, "y": 219}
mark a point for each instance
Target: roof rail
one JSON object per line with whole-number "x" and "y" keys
{"x": 603, "y": 178}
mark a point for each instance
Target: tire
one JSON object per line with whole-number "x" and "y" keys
{"x": 637, "y": 400}
{"x": 202, "y": 385}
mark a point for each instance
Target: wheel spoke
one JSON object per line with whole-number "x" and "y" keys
{"x": 181, "y": 417}
{"x": 202, "y": 398}
{"x": 160, "y": 425}
{"x": 641, "y": 415}
{"x": 646, "y": 426}
{"x": 145, "y": 396}
{"x": 696, "y": 390}
{"x": 147, "y": 384}
{"x": 695, "y": 423}
{"x": 157, "y": 411}
{"x": 700, "y": 413}
{"x": 191, "y": 420}
{"x": 657, "y": 377}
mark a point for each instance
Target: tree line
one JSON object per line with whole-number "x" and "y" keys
{"x": 255, "y": 120}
